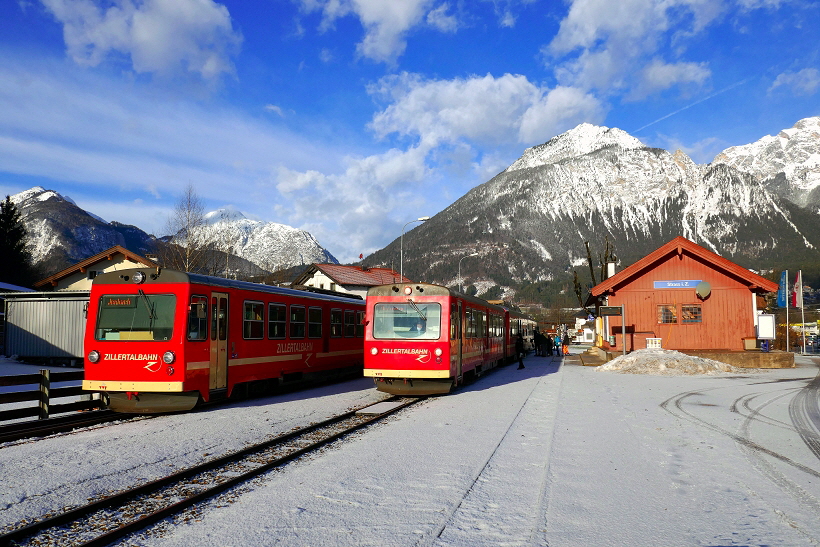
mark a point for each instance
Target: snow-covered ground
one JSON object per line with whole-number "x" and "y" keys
{"x": 555, "y": 454}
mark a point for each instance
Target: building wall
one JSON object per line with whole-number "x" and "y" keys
{"x": 728, "y": 313}
{"x": 321, "y": 281}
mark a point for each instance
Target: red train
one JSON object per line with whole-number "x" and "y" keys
{"x": 424, "y": 339}
{"x": 160, "y": 340}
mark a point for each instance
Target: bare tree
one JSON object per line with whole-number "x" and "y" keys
{"x": 187, "y": 248}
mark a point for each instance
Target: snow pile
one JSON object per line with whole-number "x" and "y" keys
{"x": 667, "y": 362}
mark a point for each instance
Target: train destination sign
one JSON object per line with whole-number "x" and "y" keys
{"x": 677, "y": 284}
{"x": 610, "y": 310}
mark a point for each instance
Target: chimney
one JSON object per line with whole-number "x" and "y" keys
{"x": 610, "y": 269}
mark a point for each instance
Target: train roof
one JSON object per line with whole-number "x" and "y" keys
{"x": 162, "y": 275}
{"x": 430, "y": 289}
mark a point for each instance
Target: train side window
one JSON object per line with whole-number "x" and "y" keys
{"x": 297, "y": 321}
{"x": 198, "y": 318}
{"x": 254, "y": 321}
{"x": 223, "y": 319}
{"x": 359, "y": 324}
{"x": 315, "y": 322}
{"x": 350, "y": 323}
{"x": 455, "y": 322}
{"x": 214, "y": 315}
{"x": 335, "y": 323}
{"x": 277, "y": 320}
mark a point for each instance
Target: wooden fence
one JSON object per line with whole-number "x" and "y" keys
{"x": 44, "y": 394}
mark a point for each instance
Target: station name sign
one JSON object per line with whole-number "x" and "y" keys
{"x": 677, "y": 284}
{"x": 610, "y": 310}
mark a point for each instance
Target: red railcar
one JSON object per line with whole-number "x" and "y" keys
{"x": 423, "y": 339}
{"x": 160, "y": 340}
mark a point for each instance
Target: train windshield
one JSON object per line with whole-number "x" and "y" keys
{"x": 136, "y": 317}
{"x": 419, "y": 320}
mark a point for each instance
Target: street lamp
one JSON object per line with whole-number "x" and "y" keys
{"x": 460, "y": 289}
{"x": 401, "y": 246}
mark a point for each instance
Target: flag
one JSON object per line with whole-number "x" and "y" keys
{"x": 783, "y": 290}
{"x": 797, "y": 297}
{"x": 361, "y": 256}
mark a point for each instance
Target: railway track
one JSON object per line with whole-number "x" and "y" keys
{"x": 107, "y": 520}
{"x": 62, "y": 424}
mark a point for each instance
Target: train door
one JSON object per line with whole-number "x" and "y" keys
{"x": 219, "y": 340}
{"x": 456, "y": 335}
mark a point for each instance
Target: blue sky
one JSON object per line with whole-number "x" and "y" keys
{"x": 349, "y": 118}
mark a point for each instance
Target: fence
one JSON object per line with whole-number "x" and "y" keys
{"x": 44, "y": 394}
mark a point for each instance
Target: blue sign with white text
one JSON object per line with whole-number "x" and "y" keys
{"x": 677, "y": 284}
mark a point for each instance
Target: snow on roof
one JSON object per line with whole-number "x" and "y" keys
{"x": 668, "y": 363}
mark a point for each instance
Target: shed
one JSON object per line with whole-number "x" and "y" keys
{"x": 660, "y": 302}
{"x": 46, "y": 326}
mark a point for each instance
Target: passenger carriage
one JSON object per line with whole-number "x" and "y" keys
{"x": 161, "y": 340}
{"x": 425, "y": 339}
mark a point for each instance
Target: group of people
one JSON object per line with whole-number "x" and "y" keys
{"x": 544, "y": 346}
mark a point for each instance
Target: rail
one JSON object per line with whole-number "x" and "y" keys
{"x": 44, "y": 395}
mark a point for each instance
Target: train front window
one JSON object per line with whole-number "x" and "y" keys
{"x": 136, "y": 317}
{"x": 393, "y": 321}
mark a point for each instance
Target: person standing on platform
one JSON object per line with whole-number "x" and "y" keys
{"x": 519, "y": 351}
{"x": 565, "y": 344}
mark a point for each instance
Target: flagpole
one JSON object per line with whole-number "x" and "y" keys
{"x": 788, "y": 302}
{"x": 802, "y": 311}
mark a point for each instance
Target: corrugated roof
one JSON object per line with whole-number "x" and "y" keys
{"x": 678, "y": 245}
{"x": 355, "y": 275}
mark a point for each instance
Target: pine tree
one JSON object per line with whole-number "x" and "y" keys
{"x": 15, "y": 259}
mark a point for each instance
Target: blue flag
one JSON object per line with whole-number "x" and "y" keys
{"x": 783, "y": 290}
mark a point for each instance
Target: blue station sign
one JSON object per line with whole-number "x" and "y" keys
{"x": 677, "y": 284}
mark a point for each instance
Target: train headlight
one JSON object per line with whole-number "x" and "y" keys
{"x": 93, "y": 356}
{"x": 408, "y": 291}
{"x": 168, "y": 357}
{"x": 138, "y": 277}
{"x": 438, "y": 352}
{"x": 374, "y": 351}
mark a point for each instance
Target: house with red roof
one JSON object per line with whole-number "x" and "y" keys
{"x": 681, "y": 297}
{"x": 347, "y": 279}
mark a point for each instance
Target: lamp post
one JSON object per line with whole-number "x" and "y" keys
{"x": 401, "y": 246}
{"x": 460, "y": 288}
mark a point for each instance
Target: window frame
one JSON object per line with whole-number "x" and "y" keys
{"x": 203, "y": 333}
{"x": 295, "y": 323}
{"x": 275, "y": 325}
{"x": 662, "y": 310}
{"x": 314, "y": 328}
{"x": 249, "y": 326}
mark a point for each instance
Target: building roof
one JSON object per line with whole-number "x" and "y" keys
{"x": 52, "y": 280}
{"x": 8, "y": 287}
{"x": 678, "y": 246}
{"x": 353, "y": 275}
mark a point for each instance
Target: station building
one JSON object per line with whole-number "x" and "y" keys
{"x": 684, "y": 297}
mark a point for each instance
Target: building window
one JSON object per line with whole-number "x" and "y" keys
{"x": 315, "y": 323}
{"x": 277, "y": 320}
{"x": 335, "y": 323}
{"x": 691, "y": 313}
{"x": 333, "y": 286}
{"x": 254, "y": 326}
{"x": 667, "y": 313}
{"x": 297, "y": 321}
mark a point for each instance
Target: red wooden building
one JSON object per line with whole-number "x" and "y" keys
{"x": 686, "y": 296}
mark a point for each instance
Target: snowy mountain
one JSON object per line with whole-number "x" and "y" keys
{"x": 755, "y": 204}
{"x": 269, "y": 245}
{"x": 62, "y": 234}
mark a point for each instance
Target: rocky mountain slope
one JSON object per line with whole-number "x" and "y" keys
{"x": 755, "y": 204}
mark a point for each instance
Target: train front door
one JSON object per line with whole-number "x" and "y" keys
{"x": 458, "y": 334}
{"x": 219, "y": 340}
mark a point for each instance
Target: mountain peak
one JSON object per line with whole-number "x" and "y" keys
{"x": 583, "y": 139}
{"x": 38, "y": 193}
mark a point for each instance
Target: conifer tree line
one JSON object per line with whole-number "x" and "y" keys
{"x": 15, "y": 260}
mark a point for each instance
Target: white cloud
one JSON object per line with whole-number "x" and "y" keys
{"x": 159, "y": 36}
{"x": 276, "y": 109}
{"x": 659, "y": 76}
{"x": 483, "y": 110}
{"x": 805, "y": 82}
{"x": 600, "y": 44}
{"x": 386, "y": 23}
{"x": 439, "y": 19}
